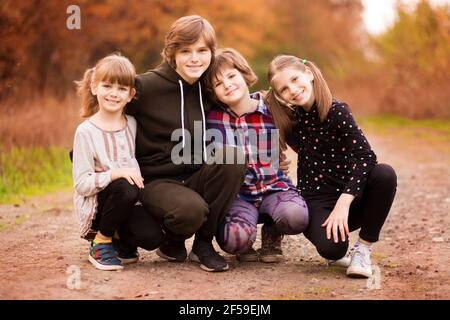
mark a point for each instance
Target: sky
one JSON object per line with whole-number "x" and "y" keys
{"x": 380, "y": 14}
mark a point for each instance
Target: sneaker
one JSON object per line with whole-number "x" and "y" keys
{"x": 126, "y": 253}
{"x": 172, "y": 250}
{"x": 270, "y": 251}
{"x": 360, "y": 266}
{"x": 210, "y": 260}
{"x": 248, "y": 256}
{"x": 104, "y": 257}
{"x": 343, "y": 262}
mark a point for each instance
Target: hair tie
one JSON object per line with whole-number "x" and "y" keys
{"x": 270, "y": 88}
{"x": 303, "y": 61}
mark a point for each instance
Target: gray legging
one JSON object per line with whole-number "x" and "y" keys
{"x": 287, "y": 210}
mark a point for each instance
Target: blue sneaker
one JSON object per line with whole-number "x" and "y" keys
{"x": 104, "y": 257}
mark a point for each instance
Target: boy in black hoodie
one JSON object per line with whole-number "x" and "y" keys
{"x": 191, "y": 197}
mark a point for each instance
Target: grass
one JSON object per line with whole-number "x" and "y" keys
{"x": 428, "y": 129}
{"x": 31, "y": 171}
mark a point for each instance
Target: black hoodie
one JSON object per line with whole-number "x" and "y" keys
{"x": 161, "y": 95}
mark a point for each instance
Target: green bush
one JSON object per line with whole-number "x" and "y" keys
{"x": 33, "y": 171}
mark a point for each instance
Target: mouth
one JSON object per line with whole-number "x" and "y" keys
{"x": 230, "y": 92}
{"x": 112, "y": 101}
{"x": 298, "y": 94}
{"x": 194, "y": 68}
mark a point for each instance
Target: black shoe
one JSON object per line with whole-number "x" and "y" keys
{"x": 126, "y": 253}
{"x": 172, "y": 250}
{"x": 204, "y": 253}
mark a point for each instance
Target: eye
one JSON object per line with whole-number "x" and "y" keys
{"x": 231, "y": 76}
{"x": 294, "y": 79}
{"x": 217, "y": 84}
{"x": 123, "y": 88}
{"x": 106, "y": 85}
{"x": 204, "y": 50}
{"x": 184, "y": 51}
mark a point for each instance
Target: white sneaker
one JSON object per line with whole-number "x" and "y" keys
{"x": 342, "y": 262}
{"x": 360, "y": 265}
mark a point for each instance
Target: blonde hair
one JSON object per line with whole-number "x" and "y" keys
{"x": 113, "y": 69}
{"x": 186, "y": 31}
{"x": 231, "y": 58}
{"x": 280, "y": 109}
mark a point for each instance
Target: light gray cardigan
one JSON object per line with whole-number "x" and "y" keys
{"x": 95, "y": 153}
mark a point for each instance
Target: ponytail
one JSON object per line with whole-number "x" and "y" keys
{"x": 89, "y": 103}
{"x": 280, "y": 116}
{"x": 322, "y": 92}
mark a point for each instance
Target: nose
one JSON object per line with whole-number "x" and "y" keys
{"x": 292, "y": 90}
{"x": 114, "y": 92}
{"x": 194, "y": 56}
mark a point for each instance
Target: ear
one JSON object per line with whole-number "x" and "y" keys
{"x": 132, "y": 94}
{"x": 309, "y": 74}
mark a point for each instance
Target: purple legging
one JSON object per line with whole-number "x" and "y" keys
{"x": 287, "y": 209}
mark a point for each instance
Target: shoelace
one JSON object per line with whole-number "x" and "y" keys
{"x": 361, "y": 256}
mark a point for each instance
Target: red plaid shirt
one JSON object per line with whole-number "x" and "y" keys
{"x": 262, "y": 175}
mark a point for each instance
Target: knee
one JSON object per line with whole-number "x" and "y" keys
{"x": 236, "y": 238}
{"x": 150, "y": 241}
{"x": 332, "y": 251}
{"x": 385, "y": 174}
{"x": 124, "y": 192}
{"x": 187, "y": 217}
{"x": 294, "y": 220}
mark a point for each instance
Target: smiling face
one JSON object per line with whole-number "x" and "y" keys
{"x": 294, "y": 86}
{"x": 230, "y": 86}
{"x": 192, "y": 61}
{"x": 112, "y": 97}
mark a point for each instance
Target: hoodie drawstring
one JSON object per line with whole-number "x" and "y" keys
{"x": 203, "y": 122}
{"x": 203, "y": 117}
{"x": 182, "y": 112}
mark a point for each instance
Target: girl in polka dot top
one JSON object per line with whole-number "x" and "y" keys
{"x": 338, "y": 174}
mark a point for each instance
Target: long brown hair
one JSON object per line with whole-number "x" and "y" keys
{"x": 186, "y": 31}
{"x": 113, "y": 69}
{"x": 280, "y": 109}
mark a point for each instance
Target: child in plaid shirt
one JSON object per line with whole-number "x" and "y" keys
{"x": 267, "y": 194}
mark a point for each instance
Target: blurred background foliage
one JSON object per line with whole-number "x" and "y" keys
{"x": 403, "y": 71}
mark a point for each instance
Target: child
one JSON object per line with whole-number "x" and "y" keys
{"x": 267, "y": 193}
{"x": 191, "y": 197}
{"x": 338, "y": 173}
{"x": 106, "y": 174}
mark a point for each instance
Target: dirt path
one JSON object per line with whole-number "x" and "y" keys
{"x": 40, "y": 245}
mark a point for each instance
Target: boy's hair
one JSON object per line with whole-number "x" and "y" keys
{"x": 229, "y": 57}
{"x": 280, "y": 113}
{"x": 187, "y": 31}
{"x": 114, "y": 68}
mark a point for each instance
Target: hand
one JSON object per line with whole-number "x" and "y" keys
{"x": 337, "y": 223}
{"x": 131, "y": 174}
{"x": 284, "y": 163}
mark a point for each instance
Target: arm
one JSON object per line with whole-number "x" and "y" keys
{"x": 362, "y": 155}
{"x": 87, "y": 181}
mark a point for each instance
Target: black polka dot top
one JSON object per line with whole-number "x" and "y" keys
{"x": 334, "y": 156}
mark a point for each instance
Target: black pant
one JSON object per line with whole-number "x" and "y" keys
{"x": 117, "y": 211}
{"x": 197, "y": 205}
{"x": 368, "y": 212}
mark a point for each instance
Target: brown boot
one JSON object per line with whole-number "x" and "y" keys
{"x": 248, "y": 256}
{"x": 270, "y": 245}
